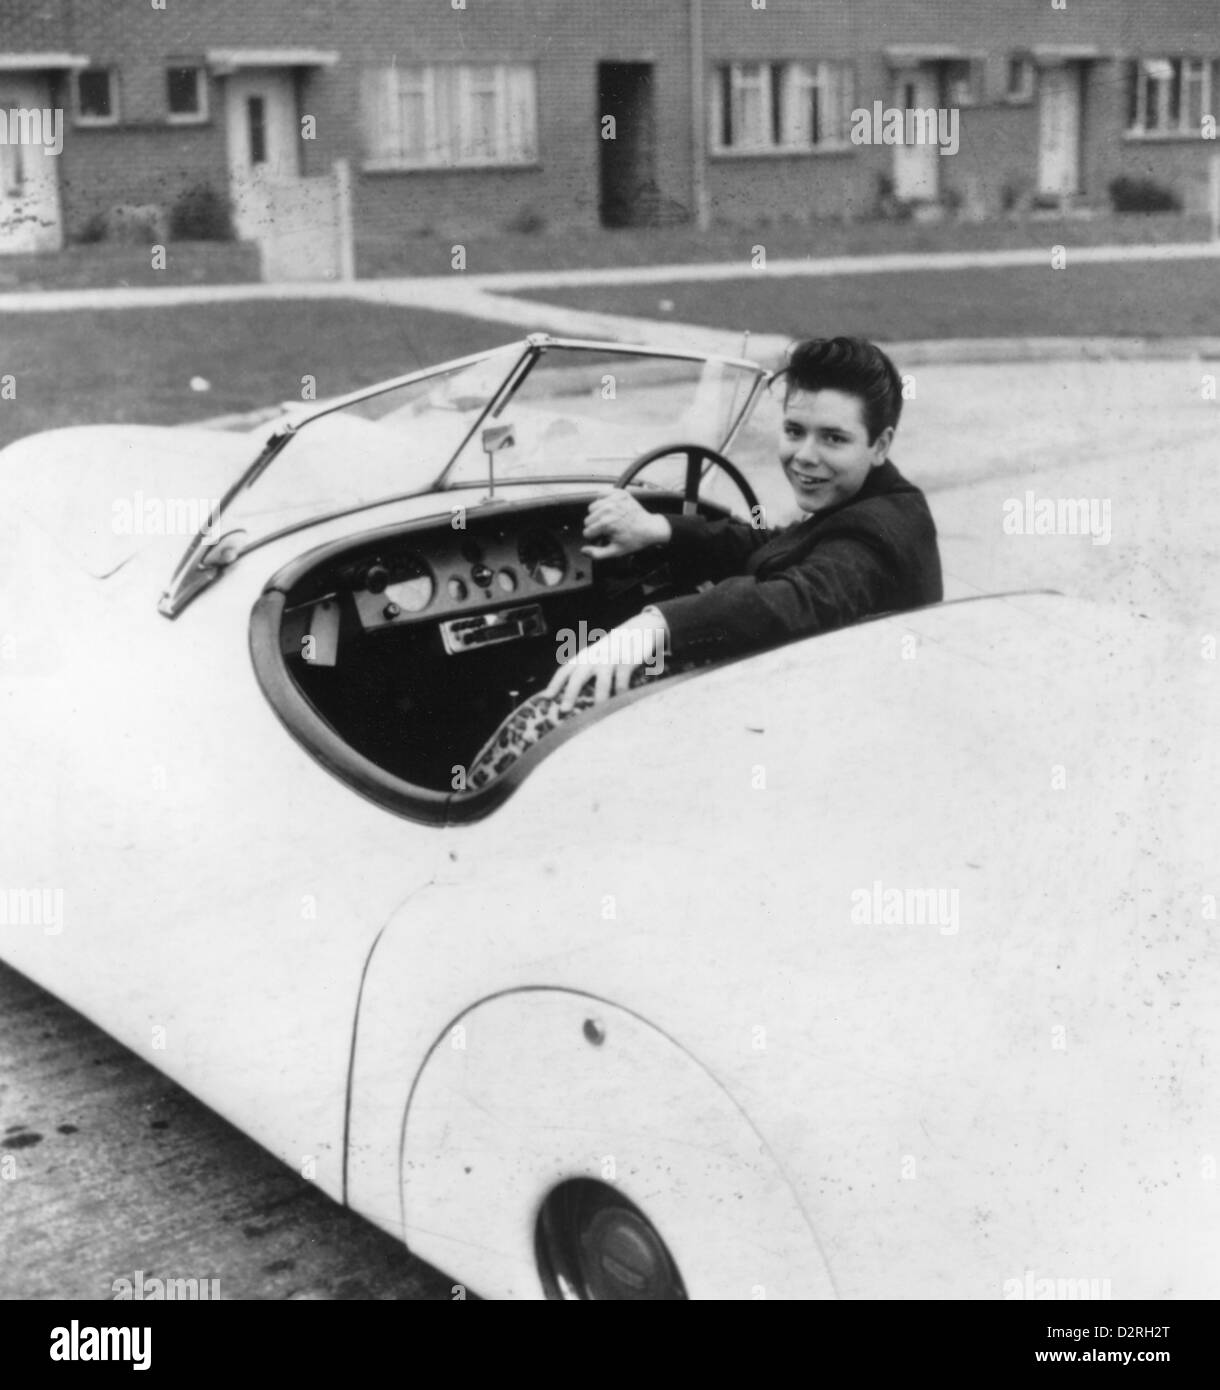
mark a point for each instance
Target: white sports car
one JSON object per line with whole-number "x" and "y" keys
{"x": 873, "y": 966}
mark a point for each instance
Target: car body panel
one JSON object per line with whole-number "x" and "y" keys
{"x": 192, "y": 903}
{"x": 942, "y": 1135}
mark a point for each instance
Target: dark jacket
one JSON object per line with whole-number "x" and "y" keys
{"x": 875, "y": 553}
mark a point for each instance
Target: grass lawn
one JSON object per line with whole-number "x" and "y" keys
{"x": 1143, "y": 299}
{"x": 102, "y": 264}
{"x": 555, "y": 250}
{"x": 135, "y": 365}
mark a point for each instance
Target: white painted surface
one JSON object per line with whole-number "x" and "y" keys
{"x": 909, "y": 1081}
{"x": 916, "y": 167}
{"x": 250, "y": 175}
{"x": 1059, "y": 101}
{"x": 514, "y": 1097}
{"x": 29, "y": 174}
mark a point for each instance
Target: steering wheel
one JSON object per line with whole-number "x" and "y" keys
{"x": 697, "y": 455}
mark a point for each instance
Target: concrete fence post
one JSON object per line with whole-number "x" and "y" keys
{"x": 344, "y": 221}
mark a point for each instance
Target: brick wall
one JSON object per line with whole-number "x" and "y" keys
{"x": 146, "y": 160}
{"x": 35, "y": 26}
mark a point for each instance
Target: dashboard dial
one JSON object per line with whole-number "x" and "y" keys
{"x": 412, "y": 585}
{"x": 457, "y": 589}
{"x": 543, "y": 558}
{"x": 506, "y": 582}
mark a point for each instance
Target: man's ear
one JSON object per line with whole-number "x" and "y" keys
{"x": 881, "y": 445}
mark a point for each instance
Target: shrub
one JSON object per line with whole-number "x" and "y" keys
{"x": 201, "y": 214}
{"x": 887, "y": 205}
{"x": 136, "y": 224}
{"x": 92, "y": 231}
{"x": 1017, "y": 193}
{"x": 952, "y": 200}
{"x": 1142, "y": 195}
{"x": 528, "y": 221}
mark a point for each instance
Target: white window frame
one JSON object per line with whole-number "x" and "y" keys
{"x": 833, "y": 81}
{"x": 416, "y": 83}
{"x": 201, "y": 89}
{"x": 84, "y": 119}
{"x": 447, "y": 91}
{"x": 1190, "y": 72}
{"x": 491, "y": 82}
{"x": 746, "y": 80}
{"x": 1195, "y": 71}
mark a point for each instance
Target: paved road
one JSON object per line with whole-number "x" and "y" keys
{"x": 117, "y": 1170}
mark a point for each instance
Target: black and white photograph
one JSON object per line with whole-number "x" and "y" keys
{"x": 609, "y": 678}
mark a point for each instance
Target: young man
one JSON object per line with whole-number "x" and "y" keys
{"x": 866, "y": 545}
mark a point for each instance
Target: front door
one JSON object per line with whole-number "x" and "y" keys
{"x": 916, "y": 167}
{"x": 29, "y": 173}
{"x": 261, "y": 119}
{"x": 1059, "y": 130}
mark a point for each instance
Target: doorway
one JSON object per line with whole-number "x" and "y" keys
{"x": 629, "y": 196}
{"x": 1059, "y": 106}
{"x": 916, "y": 167}
{"x": 261, "y": 121}
{"x": 29, "y": 173}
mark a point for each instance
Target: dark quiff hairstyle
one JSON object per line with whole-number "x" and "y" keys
{"x": 850, "y": 365}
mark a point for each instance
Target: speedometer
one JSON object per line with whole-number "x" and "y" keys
{"x": 412, "y": 585}
{"x": 543, "y": 558}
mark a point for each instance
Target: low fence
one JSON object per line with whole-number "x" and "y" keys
{"x": 303, "y": 226}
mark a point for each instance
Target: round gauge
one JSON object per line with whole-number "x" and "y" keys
{"x": 412, "y": 585}
{"x": 457, "y": 589}
{"x": 506, "y": 582}
{"x": 543, "y": 558}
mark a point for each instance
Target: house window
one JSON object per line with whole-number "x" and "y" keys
{"x": 451, "y": 115}
{"x": 1020, "y": 81}
{"x": 186, "y": 95}
{"x": 745, "y": 102}
{"x": 1168, "y": 96}
{"x": 256, "y": 119}
{"x": 960, "y": 82}
{"x": 97, "y": 97}
{"x": 758, "y": 107}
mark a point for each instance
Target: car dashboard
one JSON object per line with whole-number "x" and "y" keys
{"x": 480, "y": 577}
{"x": 398, "y": 651}
{"x": 482, "y": 580}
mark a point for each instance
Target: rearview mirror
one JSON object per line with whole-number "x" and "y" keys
{"x": 497, "y": 437}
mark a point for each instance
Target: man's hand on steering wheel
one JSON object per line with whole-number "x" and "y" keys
{"x": 620, "y": 525}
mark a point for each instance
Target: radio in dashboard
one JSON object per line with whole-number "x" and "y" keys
{"x": 486, "y": 629}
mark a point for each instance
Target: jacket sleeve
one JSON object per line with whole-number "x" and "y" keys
{"x": 701, "y": 550}
{"x": 840, "y": 582}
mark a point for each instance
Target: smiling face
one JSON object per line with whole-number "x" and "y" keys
{"x": 824, "y": 448}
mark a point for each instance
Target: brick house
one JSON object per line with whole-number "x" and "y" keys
{"x": 492, "y": 113}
